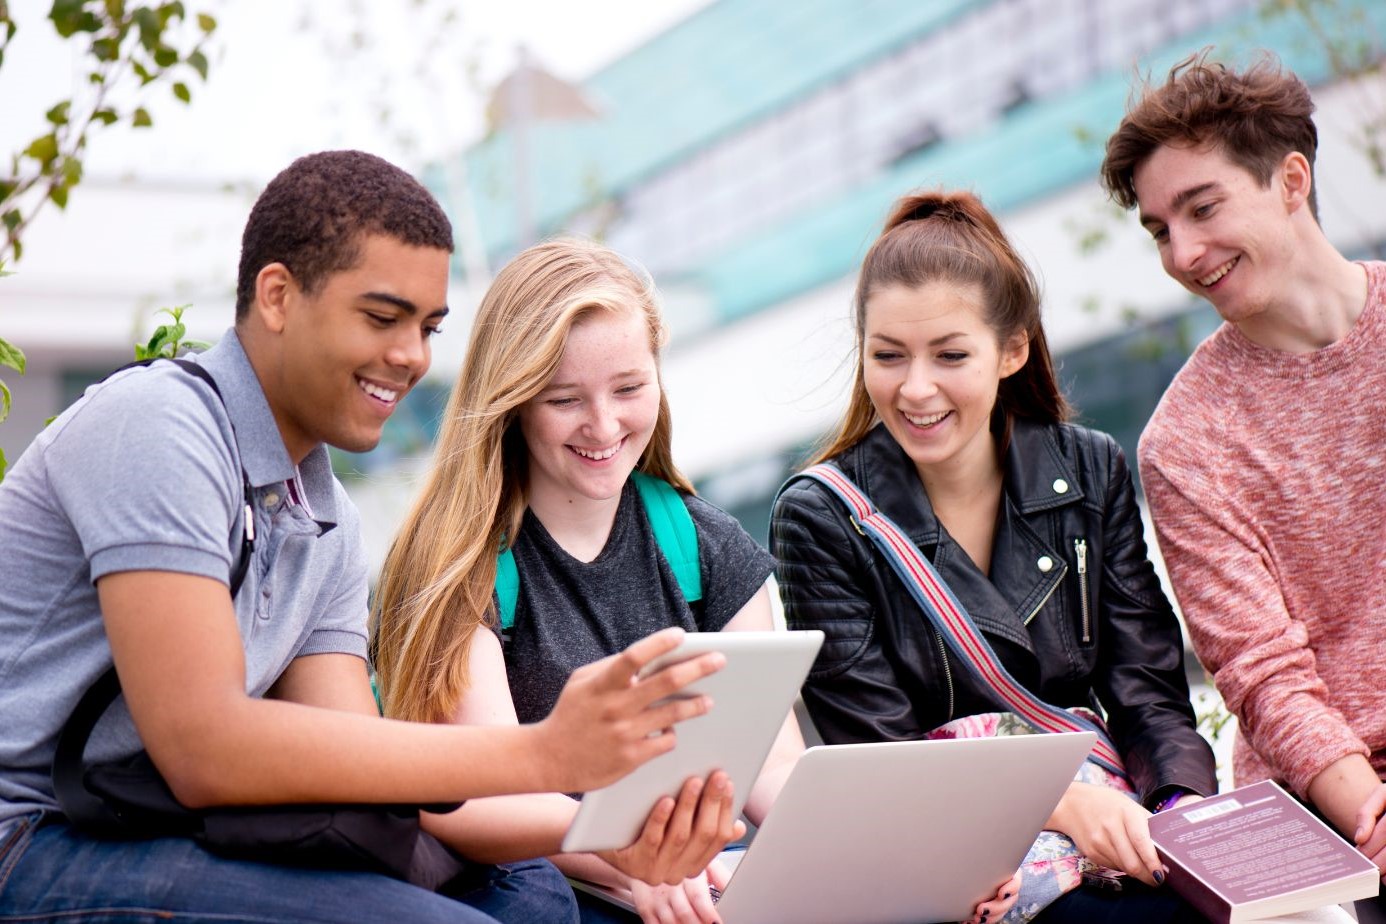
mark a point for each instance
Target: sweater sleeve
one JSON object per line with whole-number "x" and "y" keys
{"x": 1257, "y": 653}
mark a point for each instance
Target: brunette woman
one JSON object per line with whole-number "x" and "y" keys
{"x": 956, "y": 429}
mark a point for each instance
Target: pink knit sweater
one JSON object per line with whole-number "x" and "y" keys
{"x": 1266, "y": 477}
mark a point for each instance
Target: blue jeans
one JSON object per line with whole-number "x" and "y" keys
{"x": 49, "y": 872}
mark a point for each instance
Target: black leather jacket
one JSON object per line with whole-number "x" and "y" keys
{"x": 1072, "y": 606}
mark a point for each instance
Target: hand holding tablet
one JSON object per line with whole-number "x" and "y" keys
{"x": 609, "y": 720}
{"x": 752, "y": 695}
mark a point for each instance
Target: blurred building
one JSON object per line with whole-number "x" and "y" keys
{"x": 748, "y": 155}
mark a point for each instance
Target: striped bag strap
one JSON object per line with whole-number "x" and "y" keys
{"x": 951, "y": 621}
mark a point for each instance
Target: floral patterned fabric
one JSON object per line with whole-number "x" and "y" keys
{"x": 1053, "y": 865}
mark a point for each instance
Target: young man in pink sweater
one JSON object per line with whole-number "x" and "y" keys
{"x": 1265, "y": 462}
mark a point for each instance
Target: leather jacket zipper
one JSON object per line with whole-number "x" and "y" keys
{"x": 947, "y": 674}
{"x": 1080, "y": 546}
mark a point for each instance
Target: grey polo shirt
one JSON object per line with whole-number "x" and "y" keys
{"x": 141, "y": 473}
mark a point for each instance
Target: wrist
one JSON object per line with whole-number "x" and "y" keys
{"x": 1061, "y": 819}
{"x": 543, "y": 774}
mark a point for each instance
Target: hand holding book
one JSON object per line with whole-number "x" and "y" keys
{"x": 1370, "y": 836}
{"x": 1256, "y": 852}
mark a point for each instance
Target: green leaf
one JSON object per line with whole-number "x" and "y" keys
{"x": 156, "y": 342}
{"x": 12, "y": 218}
{"x": 105, "y": 116}
{"x": 43, "y": 149}
{"x": 141, "y": 72}
{"x": 71, "y": 171}
{"x": 195, "y": 346}
{"x": 3, "y": 464}
{"x": 12, "y": 356}
{"x": 207, "y": 23}
{"x": 4, "y": 401}
{"x": 165, "y": 56}
{"x": 141, "y": 118}
{"x": 66, "y": 16}
{"x": 58, "y": 114}
{"x": 181, "y": 91}
{"x": 150, "y": 32}
{"x": 115, "y": 9}
{"x": 96, "y": 77}
{"x": 106, "y": 49}
{"x": 59, "y": 195}
{"x": 198, "y": 62}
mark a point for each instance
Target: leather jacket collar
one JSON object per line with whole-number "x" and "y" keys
{"x": 1025, "y": 568}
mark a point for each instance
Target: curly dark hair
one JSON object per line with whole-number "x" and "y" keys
{"x": 312, "y": 216}
{"x": 1255, "y": 117}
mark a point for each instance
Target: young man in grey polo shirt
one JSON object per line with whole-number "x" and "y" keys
{"x": 121, "y": 525}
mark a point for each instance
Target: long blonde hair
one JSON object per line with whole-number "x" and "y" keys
{"x": 435, "y": 589}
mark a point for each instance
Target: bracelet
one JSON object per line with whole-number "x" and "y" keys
{"x": 1169, "y": 801}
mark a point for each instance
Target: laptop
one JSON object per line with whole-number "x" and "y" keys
{"x": 897, "y": 832}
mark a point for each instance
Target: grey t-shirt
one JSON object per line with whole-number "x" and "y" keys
{"x": 570, "y": 613}
{"x": 142, "y": 474}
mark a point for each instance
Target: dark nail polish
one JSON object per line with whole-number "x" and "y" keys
{"x": 1007, "y": 895}
{"x": 1159, "y": 877}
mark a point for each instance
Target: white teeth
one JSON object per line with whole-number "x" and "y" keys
{"x": 375, "y": 391}
{"x": 928, "y": 421}
{"x": 1218, "y": 273}
{"x": 598, "y": 455}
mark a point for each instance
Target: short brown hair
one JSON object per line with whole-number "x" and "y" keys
{"x": 1255, "y": 118}
{"x": 313, "y": 215}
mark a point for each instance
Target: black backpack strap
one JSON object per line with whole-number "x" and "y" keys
{"x": 81, "y": 807}
{"x": 238, "y": 571}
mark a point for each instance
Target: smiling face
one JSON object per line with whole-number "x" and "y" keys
{"x": 347, "y": 353}
{"x": 932, "y": 365}
{"x": 1221, "y": 234}
{"x": 587, "y": 429}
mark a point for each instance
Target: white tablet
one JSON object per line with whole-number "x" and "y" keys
{"x": 751, "y": 697}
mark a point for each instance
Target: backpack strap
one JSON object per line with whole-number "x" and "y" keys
{"x": 238, "y": 572}
{"x": 950, "y": 618}
{"x": 507, "y": 586}
{"x": 674, "y": 533}
{"x": 79, "y": 805}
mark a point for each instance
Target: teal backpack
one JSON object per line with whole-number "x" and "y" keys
{"x": 673, "y": 532}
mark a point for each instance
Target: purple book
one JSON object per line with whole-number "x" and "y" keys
{"x": 1254, "y": 853}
